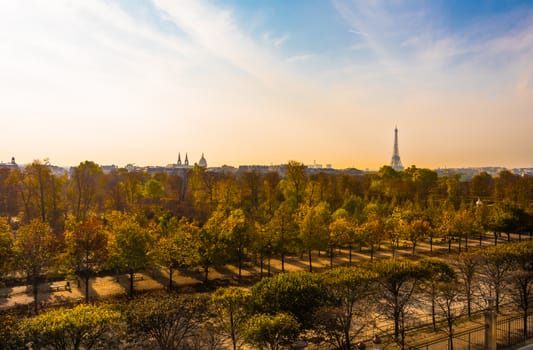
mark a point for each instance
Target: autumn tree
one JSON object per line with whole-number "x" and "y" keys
{"x": 495, "y": 265}
{"x": 86, "y": 248}
{"x": 129, "y": 246}
{"x": 468, "y": 268}
{"x": 441, "y": 274}
{"x": 294, "y": 184}
{"x": 85, "y": 188}
{"x": 6, "y": 248}
{"x": 35, "y": 253}
{"x": 520, "y": 277}
{"x": 283, "y": 230}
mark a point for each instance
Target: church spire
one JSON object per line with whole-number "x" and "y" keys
{"x": 396, "y": 163}
{"x": 186, "y": 159}
{"x": 179, "y": 158}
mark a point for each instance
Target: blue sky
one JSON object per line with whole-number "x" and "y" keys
{"x": 261, "y": 82}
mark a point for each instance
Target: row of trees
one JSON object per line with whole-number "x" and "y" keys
{"x": 336, "y": 305}
{"x": 35, "y": 191}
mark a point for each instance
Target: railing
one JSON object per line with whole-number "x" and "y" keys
{"x": 509, "y": 332}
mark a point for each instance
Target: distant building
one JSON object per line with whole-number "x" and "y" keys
{"x": 10, "y": 165}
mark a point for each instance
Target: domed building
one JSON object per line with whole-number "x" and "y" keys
{"x": 202, "y": 162}
{"x": 185, "y": 164}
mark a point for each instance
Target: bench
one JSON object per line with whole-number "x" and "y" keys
{"x": 60, "y": 286}
{"x": 138, "y": 278}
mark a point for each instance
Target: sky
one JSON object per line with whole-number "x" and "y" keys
{"x": 265, "y": 82}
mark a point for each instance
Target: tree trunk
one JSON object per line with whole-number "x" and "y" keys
{"x": 310, "y": 261}
{"x": 433, "y": 320}
{"x": 35, "y": 290}
{"x": 170, "y": 273}
{"x": 282, "y": 261}
{"x": 132, "y": 275}
{"x": 350, "y": 254}
{"x": 86, "y": 288}
{"x": 206, "y": 272}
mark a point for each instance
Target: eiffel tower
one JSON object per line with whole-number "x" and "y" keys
{"x": 396, "y": 163}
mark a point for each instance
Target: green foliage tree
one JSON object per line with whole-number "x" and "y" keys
{"x": 397, "y": 280}
{"x": 64, "y": 329}
{"x": 271, "y": 331}
{"x": 211, "y": 247}
{"x": 231, "y": 311}
{"x": 176, "y": 246}
{"x": 314, "y": 224}
{"x": 236, "y": 232}
{"x": 348, "y": 292}
{"x": 297, "y": 293}
{"x": 129, "y": 246}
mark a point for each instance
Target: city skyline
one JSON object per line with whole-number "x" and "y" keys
{"x": 120, "y": 82}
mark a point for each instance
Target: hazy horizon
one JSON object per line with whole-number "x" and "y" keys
{"x": 266, "y": 82}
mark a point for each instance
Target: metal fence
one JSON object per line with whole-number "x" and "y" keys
{"x": 509, "y": 332}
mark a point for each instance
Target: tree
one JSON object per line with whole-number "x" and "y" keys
{"x": 521, "y": 277}
{"x": 297, "y": 293}
{"x": 295, "y": 184}
{"x": 211, "y": 247}
{"x": 6, "y": 247}
{"x": 129, "y": 246}
{"x": 176, "y": 246}
{"x": 230, "y": 305}
{"x": 78, "y": 328}
{"x": 85, "y": 188}
{"x": 86, "y": 249}
{"x": 168, "y": 320}
{"x": 313, "y": 223}
{"x": 446, "y": 296}
{"x": 35, "y": 252}
{"x": 342, "y": 231}
{"x": 468, "y": 267}
{"x": 440, "y": 275}
{"x": 495, "y": 264}
{"x": 397, "y": 280}
{"x": 235, "y": 230}
{"x": 272, "y": 331}
{"x": 348, "y": 291}
{"x": 284, "y": 231}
